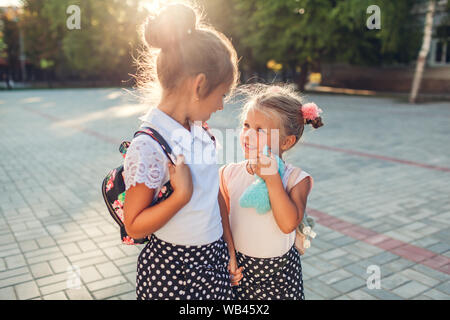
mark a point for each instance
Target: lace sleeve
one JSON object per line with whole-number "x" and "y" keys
{"x": 145, "y": 162}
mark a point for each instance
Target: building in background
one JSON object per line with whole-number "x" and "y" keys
{"x": 436, "y": 77}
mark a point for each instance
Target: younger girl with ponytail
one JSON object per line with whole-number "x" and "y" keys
{"x": 265, "y": 196}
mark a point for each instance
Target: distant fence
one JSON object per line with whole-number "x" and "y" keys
{"x": 436, "y": 80}
{"x": 65, "y": 84}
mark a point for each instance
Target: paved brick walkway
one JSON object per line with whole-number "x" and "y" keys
{"x": 380, "y": 198}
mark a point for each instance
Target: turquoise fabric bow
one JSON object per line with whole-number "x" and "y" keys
{"x": 256, "y": 195}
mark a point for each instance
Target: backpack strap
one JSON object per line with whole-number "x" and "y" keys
{"x": 158, "y": 138}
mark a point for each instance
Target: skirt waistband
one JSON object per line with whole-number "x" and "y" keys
{"x": 211, "y": 253}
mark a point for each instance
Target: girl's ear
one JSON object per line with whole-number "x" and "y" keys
{"x": 199, "y": 84}
{"x": 288, "y": 142}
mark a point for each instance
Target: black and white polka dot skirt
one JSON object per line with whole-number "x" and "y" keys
{"x": 175, "y": 272}
{"x": 277, "y": 278}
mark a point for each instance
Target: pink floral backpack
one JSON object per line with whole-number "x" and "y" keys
{"x": 113, "y": 186}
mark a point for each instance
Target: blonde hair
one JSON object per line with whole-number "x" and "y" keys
{"x": 178, "y": 44}
{"x": 281, "y": 101}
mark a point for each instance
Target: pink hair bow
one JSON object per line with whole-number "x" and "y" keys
{"x": 310, "y": 111}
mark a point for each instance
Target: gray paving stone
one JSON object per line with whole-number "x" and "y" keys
{"x": 360, "y": 295}
{"x": 358, "y": 268}
{"x": 78, "y": 294}
{"x": 60, "y": 265}
{"x": 439, "y": 247}
{"x": 444, "y": 287}
{"x": 114, "y": 253}
{"x": 331, "y": 254}
{"x": 55, "y": 296}
{"x": 54, "y": 287}
{"x": 383, "y": 258}
{"x": 420, "y": 277}
{"x": 125, "y": 261}
{"x": 394, "y": 281}
{"x": 131, "y": 267}
{"x": 309, "y": 271}
{"x": 10, "y": 252}
{"x": 131, "y": 277}
{"x": 7, "y": 293}
{"x": 70, "y": 248}
{"x": 46, "y": 242}
{"x": 114, "y": 291}
{"x": 328, "y": 292}
{"x": 105, "y": 283}
{"x": 422, "y": 297}
{"x": 382, "y": 294}
{"x": 16, "y": 261}
{"x": 345, "y": 260}
{"x": 28, "y": 245}
{"x": 108, "y": 269}
{"x": 45, "y": 257}
{"x": 15, "y": 280}
{"x": 430, "y": 272}
{"x": 436, "y": 294}
{"x": 349, "y": 284}
{"x": 40, "y": 270}
{"x": 410, "y": 289}
{"x": 91, "y": 261}
{"x": 311, "y": 295}
{"x": 344, "y": 240}
{"x": 343, "y": 297}
{"x": 27, "y": 290}
{"x": 52, "y": 279}
{"x": 332, "y": 277}
{"x": 128, "y": 296}
{"x": 397, "y": 265}
{"x": 86, "y": 255}
{"x": 90, "y": 274}
{"x": 42, "y": 252}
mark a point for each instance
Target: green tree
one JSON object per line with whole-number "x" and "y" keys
{"x": 302, "y": 34}
{"x": 101, "y": 49}
{"x": 10, "y": 40}
{"x": 2, "y": 41}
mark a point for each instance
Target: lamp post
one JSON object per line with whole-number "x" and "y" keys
{"x": 22, "y": 56}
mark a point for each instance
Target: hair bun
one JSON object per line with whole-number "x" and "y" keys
{"x": 173, "y": 23}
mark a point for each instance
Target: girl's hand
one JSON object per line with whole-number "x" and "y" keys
{"x": 235, "y": 272}
{"x": 181, "y": 180}
{"x": 266, "y": 167}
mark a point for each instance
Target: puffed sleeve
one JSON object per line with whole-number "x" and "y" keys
{"x": 145, "y": 162}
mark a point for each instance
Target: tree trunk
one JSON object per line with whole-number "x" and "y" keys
{"x": 423, "y": 52}
{"x": 303, "y": 78}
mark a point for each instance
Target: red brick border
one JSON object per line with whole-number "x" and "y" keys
{"x": 374, "y": 156}
{"x": 405, "y": 250}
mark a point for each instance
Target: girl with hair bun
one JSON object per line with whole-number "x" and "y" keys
{"x": 186, "y": 70}
{"x": 265, "y": 196}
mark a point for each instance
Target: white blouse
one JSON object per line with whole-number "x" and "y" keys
{"x": 254, "y": 234}
{"x": 199, "y": 221}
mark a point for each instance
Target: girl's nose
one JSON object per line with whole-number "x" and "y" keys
{"x": 251, "y": 137}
